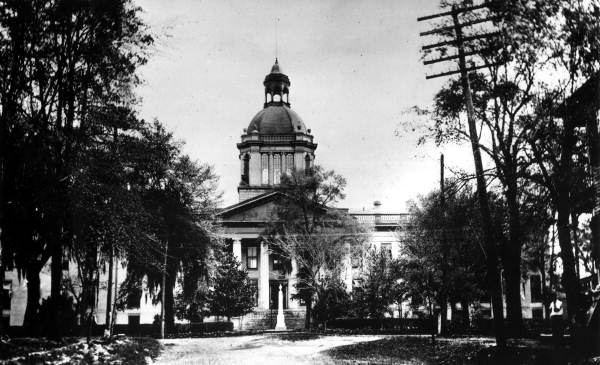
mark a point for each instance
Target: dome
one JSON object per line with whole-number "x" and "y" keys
{"x": 277, "y": 119}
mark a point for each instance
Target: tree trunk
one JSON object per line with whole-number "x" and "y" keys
{"x": 594, "y": 153}
{"x": 169, "y": 301}
{"x": 570, "y": 279}
{"x": 308, "y": 314}
{"x": 444, "y": 316}
{"x": 30, "y": 321}
{"x": 55, "y": 288}
{"x": 512, "y": 264}
{"x": 464, "y": 303}
{"x": 563, "y": 205}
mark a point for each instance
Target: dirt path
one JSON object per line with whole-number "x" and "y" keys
{"x": 258, "y": 349}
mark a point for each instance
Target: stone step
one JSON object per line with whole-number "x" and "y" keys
{"x": 265, "y": 320}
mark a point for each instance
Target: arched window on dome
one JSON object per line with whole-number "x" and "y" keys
{"x": 246, "y": 168}
{"x": 307, "y": 163}
{"x": 289, "y": 163}
{"x": 276, "y": 97}
{"x": 265, "y": 168}
{"x": 277, "y": 169}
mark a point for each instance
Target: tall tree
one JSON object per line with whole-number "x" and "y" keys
{"x": 61, "y": 58}
{"x": 379, "y": 285}
{"x": 307, "y": 229}
{"x": 232, "y": 293}
{"x": 180, "y": 197}
{"x": 422, "y": 261}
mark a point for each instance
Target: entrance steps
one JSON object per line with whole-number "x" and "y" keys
{"x": 267, "y": 319}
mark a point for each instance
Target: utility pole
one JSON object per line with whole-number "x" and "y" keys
{"x": 494, "y": 279}
{"x": 110, "y": 263}
{"x": 444, "y": 242}
{"x": 164, "y": 291}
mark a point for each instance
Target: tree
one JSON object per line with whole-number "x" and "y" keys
{"x": 192, "y": 304}
{"x": 333, "y": 301}
{"x": 63, "y": 59}
{"x": 232, "y": 293}
{"x": 538, "y": 38}
{"x": 179, "y": 195}
{"x": 379, "y": 285}
{"x": 422, "y": 260}
{"x": 305, "y": 229}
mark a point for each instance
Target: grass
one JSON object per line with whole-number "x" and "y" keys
{"x": 448, "y": 351}
{"x": 121, "y": 350}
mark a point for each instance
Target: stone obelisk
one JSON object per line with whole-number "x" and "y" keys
{"x": 280, "y": 318}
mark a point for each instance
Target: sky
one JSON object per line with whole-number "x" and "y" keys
{"x": 354, "y": 68}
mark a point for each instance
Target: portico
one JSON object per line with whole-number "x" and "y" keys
{"x": 265, "y": 270}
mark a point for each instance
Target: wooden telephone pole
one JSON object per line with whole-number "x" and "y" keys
{"x": 493, "y": 271}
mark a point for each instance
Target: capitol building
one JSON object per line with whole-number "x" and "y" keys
{"x": 276, "y": 142}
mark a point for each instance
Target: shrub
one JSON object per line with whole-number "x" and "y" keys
{"x": 332, "y": 302}
{"x": 64, "y": 309}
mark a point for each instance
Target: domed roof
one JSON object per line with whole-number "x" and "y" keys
{"x": 277, "y": 119}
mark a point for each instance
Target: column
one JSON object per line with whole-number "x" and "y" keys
{"x": 293, "y": 303}
{"x": 263, "y": 277}
{"x": 270, "y": 169}
{"x": 237, "y": 249}
{"x": 348, "y": 268}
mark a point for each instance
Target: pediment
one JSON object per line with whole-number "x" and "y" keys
{"x": 259, "y": 209}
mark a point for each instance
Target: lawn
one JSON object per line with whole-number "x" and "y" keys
{"x": 120, "y": 350}
{"x": 417, "y": 350}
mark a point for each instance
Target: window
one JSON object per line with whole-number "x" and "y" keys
{"x": 277, "y": 169}
{"x": 278, "y": 264}
{"x": 265, "y": 168}
{"x": 535, "y": 282}
{"x": 252, "y": 258}
{"x": 537, "y": 313}
{"x": 387, "y": 248}
{"x": 289, "y": 163}
{"x": 307, "y": 163}
{"x": 6, "y": 295}
{"x": 133, "y": 320}
{"x": 355, "y": 260}
{"x": 246, "y": 173}
{"x": 254, "y": 284}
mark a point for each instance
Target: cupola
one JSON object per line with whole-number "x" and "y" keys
{"x": 277, "y": 87}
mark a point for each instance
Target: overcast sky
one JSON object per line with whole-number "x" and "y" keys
{"x": 354, "y": 68}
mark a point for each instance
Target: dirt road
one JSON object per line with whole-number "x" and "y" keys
{"x": 258, "y": 349}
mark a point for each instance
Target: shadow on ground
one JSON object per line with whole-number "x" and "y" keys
{"x": 421, "y": 350}
{"x": 294, "y": 337}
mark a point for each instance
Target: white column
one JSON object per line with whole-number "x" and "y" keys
{"x": 263, "y": 277}
{"x": 237, "y": 249}
{"x": 293, "y": 303}
{"x": 348, "y": 269}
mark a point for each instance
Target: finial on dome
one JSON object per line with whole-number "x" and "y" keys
{"x": 276, "y": 68}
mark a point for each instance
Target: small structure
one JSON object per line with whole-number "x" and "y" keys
{"x": 280, "y": 325}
